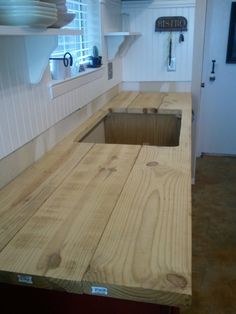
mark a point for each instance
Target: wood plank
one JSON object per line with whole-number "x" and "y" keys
{"x": 127, "y": 230}
{"x": 21, "y": 199}
{"x": 145, "y": 251}
{"x": 121, "y": 101}
{"x": 145, "y": 103}
{"x": 56, "y": 245}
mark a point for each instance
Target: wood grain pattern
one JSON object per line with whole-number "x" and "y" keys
{"x": 146, "y": 244}
{"x": 145, "y": 251}
{"x": 121, "y": 101}
{"x": 21, "y": 199}
{"x": 142, "y": 129}
{"x": 57, "y": 243}
{"x": 145, "y": 102}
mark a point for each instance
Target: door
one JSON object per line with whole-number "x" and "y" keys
{"x": 217, "y": 116}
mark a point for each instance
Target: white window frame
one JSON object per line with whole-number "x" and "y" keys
{"x": 78, "y": 79}
{"x": 78, "y": 46}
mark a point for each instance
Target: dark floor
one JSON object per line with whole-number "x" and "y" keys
{"x": 214, "y": 237}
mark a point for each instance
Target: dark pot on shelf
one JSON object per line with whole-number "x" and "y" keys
{"x": 95, "y": 62}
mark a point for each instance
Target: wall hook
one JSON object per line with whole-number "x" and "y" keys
{"x": 181, "y": 37}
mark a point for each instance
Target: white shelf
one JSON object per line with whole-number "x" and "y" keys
{"x": 119, "y": 42}
{"x": 122, "y": 34}
{"x": 28, "y": 31}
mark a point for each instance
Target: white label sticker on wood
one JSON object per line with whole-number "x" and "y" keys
{"x": 99, "y": 290}
{"x": 25, "y": 279}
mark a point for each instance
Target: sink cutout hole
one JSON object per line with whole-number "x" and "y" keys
{"x": 136, "y": 129}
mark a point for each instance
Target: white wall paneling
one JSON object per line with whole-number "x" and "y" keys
{"x": 19, "y": 160}
{"x": 164, "y": 87}
{"x": 147, "y": 58}
{"x": 28, "y": 110}
{"x": 216, "y": 119}
{"x": 111, "y": 15}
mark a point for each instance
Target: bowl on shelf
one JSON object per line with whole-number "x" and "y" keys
{"x": 27, "y": 4}
{"x": 63, "y": 19}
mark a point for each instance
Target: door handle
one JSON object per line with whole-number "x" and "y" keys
{"x": 212, "y": 76}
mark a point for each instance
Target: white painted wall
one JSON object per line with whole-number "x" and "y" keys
{"x": 216, "y": 123}
{"x": 146, "y": 60}
{"x": 27, "y": 110}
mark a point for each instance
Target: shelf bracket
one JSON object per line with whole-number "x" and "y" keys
{"x": 38, "y": 51}
{"x": 119, "y": 43}
{"x": 113, "y": 46}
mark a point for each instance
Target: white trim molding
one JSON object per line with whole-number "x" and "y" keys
{"x": 159, "y": 4}
{"x": 58, "y": 88}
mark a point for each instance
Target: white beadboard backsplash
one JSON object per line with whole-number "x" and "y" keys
{"x": 146, "y": 60}
{"x": 27, "y": 110}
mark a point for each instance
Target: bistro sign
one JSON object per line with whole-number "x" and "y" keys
{"x": 171, "y": 24}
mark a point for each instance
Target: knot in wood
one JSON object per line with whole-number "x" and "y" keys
{"x": 152, "y": 164}
{"x": 153, "y": 110}
{"x": 112, "y": 169}
{"x": 54, "y": 260}
{"x": 177, "y": 280}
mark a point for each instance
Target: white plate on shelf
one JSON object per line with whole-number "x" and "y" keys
{"x": 27, "y": 7}
{"x": 7, "y": 10}
{"x": 27, "y": 19}
{"x": 29, "y": 12}
{"x": 28, "y": 3}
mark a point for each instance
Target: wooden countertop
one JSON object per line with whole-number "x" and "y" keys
{"x": 105, "y": 219}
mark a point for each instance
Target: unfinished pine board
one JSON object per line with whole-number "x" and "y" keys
{"x": 145, "y": 251}
{"x": 144, "y": 103}
{"x": 21, "y": 199}
{"x": 142, "y": 129}
{"x": 119, "y": 219}
{"x": 56, "y": 245}
{"x": 121, "y": 101}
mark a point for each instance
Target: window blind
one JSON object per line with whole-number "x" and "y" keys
{"x": 78, "y": 46}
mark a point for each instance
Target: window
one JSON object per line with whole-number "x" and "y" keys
{"x": 80, "y": 47}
